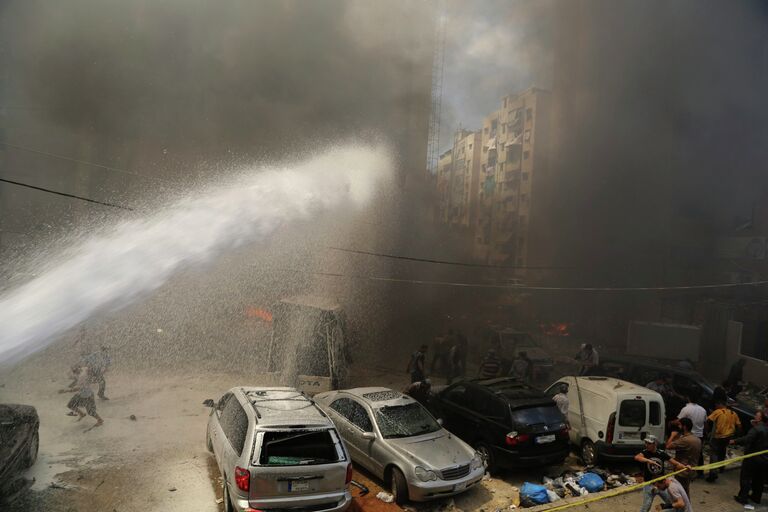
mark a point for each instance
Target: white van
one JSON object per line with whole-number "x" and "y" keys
{"x": 609, "y": 418}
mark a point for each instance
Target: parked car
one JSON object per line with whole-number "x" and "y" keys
{"x": 512, "y": 342}
{"x": 642, "y": 371}
{"x": 394, "y": 437}
{"x": 509, "y": 423}
{"x": 277, "y": 450}
{"x": 609, "y": 418}
{"x": 19, "y": 442}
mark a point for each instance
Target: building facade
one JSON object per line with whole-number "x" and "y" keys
{"x": 458, "y": 175}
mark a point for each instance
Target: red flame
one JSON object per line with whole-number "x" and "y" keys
{"x": 556, "y": 328}
{"x": 258, "y": 313}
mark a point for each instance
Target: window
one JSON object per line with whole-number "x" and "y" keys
{"x": 754, "y": 340}
{"x": 523, "y": 197}
{"x": 527, "y": 135}
{"x": 654, "y": 413}
{"x": 354, "y": 413}
{"x": 526, "y": 155}
{"x": 405, "y": 421}
{"x": 222, "y": 403}
{"x": 457, "y": 394}
{"x": 489, "y": 406}
{"x": 494, "y": 124}
{"x": 529, "y": 113}
{"x": 300, "y": 447}
{"x": 632, "y": 413}
{"x": 470, "y": 146}
{"x": 525, "y": 176}
{"x": 234, "y": 423}
{"x": 546, "y": 415}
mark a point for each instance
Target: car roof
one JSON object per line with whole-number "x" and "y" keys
{"x": 652, "y": 363}
{"x": 380, "y": 396}
{"x": 283, "y": 407}
{"x": 312, "y": 301}
{"x": 516, "y": 393}
{"x": 600, "y": 385}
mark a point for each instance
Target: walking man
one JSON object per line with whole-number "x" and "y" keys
{"x": 724, "y": 425}
{"x": 653, "y": 461}
{"x": 84, "y": 397}
{"x": 754, "y": 469}
{"x": 99, "y": 363}
{"x": 416, "y": 364}
{"x": 698, "y": 416}
{"x": 687, "y": 451}
{"x": 561, "y": 400}
{"x": 674, "y": 496}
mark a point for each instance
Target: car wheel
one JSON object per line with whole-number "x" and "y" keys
{"x": 487, "y": 455}
{"x": 31, "y": 455}
{"x": 399, "y": 486}
{"x": 588, "y": 453}
{"x": 225, "y": 495}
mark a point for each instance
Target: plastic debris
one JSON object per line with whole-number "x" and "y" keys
{"x": 385, "y": 497}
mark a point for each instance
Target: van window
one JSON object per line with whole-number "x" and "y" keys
{"x": 298, "y": 447}
{"x": 234, "y": 423}
{"x": 632, "y": 413}
{"x": 654, "y": 413}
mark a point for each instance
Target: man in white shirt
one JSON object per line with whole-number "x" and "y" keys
{"x": 561, "y": 400}
{"x": 698, "y": 416}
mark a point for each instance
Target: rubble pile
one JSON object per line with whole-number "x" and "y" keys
{"x": 572, "y": 484}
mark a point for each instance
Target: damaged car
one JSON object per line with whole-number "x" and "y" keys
{"x": 19, "y": 442}
{"x": 394, "y": 437}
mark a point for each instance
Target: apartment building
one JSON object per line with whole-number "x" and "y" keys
{"x": 458, "y": 176}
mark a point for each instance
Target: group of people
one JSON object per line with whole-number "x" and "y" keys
{"x": 86, "y": 373}
{"x": 692, "y": 427}
{"x": 450, "y": 358}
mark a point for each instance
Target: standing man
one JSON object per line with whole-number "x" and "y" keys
{"x": 99, "y": 363}
{"x": 561, "y": 400}
{"x": 724, "y": 423}
{"x": 454, "y": 361}
{"x": 674, "y": 495}
{"x": 753, "y": 470}
{"x": 687, "y": 451}
{"x": 490, "y": 366}
{"x": 522, "y": 368}
{"x": 589, "y": 359}
{"x": 419, "y": 391}
{"x": 698, "y": 416}
{"x": 440, "y": 357}
{"x": 653, "y": 461}
{"x": 416, "y": 364}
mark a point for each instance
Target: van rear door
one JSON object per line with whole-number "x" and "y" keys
{"x": 631, "y": 420}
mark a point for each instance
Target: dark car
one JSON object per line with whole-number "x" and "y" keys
{"x": 19, "y": 440}
{"x": 509, "y": 423}
{"x": 684, "y": 382}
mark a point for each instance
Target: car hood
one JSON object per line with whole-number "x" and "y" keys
{"x": 438, "y": 450}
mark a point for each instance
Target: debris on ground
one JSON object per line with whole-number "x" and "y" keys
{"x": 172, "y": 489}
{"x": 385, "y": 497}
{"x": 572, "y": 483}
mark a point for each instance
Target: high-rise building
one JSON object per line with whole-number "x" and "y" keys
{"x": 513, "y": 183}
{"x": 458, "y": 174}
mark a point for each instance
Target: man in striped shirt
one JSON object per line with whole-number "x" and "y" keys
{"x": 490, "y": 366}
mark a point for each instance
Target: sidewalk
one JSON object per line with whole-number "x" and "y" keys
{"x": 717, "y": 497}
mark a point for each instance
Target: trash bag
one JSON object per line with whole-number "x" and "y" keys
{"x": 592, "y": 482}
{"x": 535, "y": 493}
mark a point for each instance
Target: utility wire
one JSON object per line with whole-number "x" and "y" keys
{"x": 64, "y": 194}
{"x": 535, "y": 288}
{"x": 444, "y": 262}
{"x": 84, "y": 162}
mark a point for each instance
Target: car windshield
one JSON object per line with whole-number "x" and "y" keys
{"x": 529, "y": 416}
{"x": 405, "y": 421}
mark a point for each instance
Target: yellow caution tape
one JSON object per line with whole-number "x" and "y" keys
{"x": 624, "y": 490}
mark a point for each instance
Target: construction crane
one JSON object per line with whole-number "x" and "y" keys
{"x": 438, "y": 67}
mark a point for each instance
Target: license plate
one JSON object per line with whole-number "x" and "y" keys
{"x": 298, "y": 486}
{"x": 545, "y": 439}
{"x": 460, "y": 487}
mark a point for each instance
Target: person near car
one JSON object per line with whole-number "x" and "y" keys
{"x": 724, "y": 424}
{"x": 440, "y": 348}
{"x": 84, "y": 397}
{"x": 561, "y": 400}
{"x": 416, "y": 364}
{"x": 698, "y": 416}
{"x": 653, "y": 459}
{"x": 674, "y": 495}
{"x": 522, "y": 368}
{"x": 754, "y": 470}
{"x": 588, "y": 358}
{"x": 490, "y": 366}
{"x": 419, "y": 391}
{"x": 687, "y": 449}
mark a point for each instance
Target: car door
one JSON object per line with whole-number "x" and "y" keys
{"x": 353, "y": 420}
{"x": 216, "y": 432}
{"x": 456, "y": 415}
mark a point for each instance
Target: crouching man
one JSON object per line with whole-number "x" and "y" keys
{"x": 673, "y": 495}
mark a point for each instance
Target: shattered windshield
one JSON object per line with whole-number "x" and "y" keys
{"x": 405, "y": 421}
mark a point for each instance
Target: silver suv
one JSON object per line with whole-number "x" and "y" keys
{"x": 277, "y": 450}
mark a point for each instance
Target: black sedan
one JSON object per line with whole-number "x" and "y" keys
{"x": 19, "y": 441}
{"x": 509, "y": 423}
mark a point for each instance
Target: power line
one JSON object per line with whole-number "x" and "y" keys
{"x": 535, "y": 288}
{"x": 84, "y": 162}
{"x": 64, "y": 194}
{"x": 445, "y": 262}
